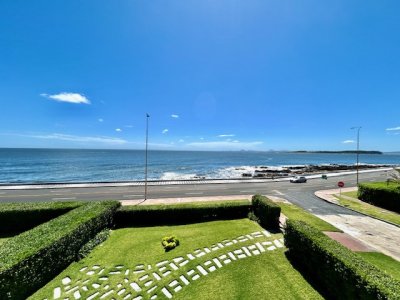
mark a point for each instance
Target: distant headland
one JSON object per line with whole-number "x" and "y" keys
{"x": 341, "y": 152}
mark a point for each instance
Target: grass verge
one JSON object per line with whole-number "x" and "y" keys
{"x": 262, "y": 276}
{"x": 383, "y": 262}
{"x": 295, "y": 212}
{"x": 369, "y": 209}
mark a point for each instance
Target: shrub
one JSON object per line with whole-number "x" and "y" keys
{"x": 153, "y": 215}
{"x": 381, "y": 194}
{"x": 97, "y": 240}
{"x": 31, "y": 259}
{"x": 32, "y": 215}
{"x": 266, "y": 211}
{"x": 169, "y": 243}
{"x": 338, "y": 272}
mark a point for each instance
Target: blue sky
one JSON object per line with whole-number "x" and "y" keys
{"x": 213, "y": 75}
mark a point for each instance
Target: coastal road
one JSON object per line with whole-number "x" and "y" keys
{"x": 301, "y": 194}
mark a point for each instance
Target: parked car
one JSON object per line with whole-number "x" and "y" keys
{"x": 298, "y": 179}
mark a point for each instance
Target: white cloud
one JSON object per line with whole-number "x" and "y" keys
{"x": 84, "y": 139}
{"x": 393, "y": 128}
{"x": 68, "y": 97}
{"x": 118, "y": 129}
{"x": 225, "y": 145}
{"x": 226, "y": 135}
{"x": 100, "y": 120}
{"x": 181, "y": 141}
{"x": 348, "y": 142}
{"x": 175, "y": 116}
{"x": 202, "y": 138}
{"x": 165, "y": 131}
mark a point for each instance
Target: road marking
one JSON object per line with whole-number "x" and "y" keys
{"x": 128, "y": 196}
{"x": 70, "y": 198}
{"x": 66, "y": 191}
{"x": 200, "y": 193}
{"x": 278, "y": 192}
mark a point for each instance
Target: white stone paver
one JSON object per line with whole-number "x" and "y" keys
{"x": 148, "y": 281}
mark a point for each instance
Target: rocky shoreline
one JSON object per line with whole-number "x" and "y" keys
{"x": 285, "y": 171}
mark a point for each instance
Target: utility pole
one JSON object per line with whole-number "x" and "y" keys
{"x": 145, "y": 169}
{"x": 358, "y": 147}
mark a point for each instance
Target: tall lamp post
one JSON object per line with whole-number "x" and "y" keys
{"x": 145, "y": 168}
{"x": 358, "y": 146}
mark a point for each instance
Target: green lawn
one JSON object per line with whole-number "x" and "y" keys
{"x": 295, "y": 212}
{"x": 262, "y": 275}
{"x": 383, "y": 262}
{"x": 369, "y": 209}
{"x": 352, "y": 194}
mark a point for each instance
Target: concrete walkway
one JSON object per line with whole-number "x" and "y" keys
{"x": 377, "y": 234}
{"x": 186, "y": 200}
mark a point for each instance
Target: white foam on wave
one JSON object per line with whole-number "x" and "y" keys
{"x": 177, "y": 176}
{"x": 233, "y": 172}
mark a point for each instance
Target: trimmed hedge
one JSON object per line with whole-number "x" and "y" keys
{"x": 18, "y": 217}
{"x": 31, "y": 259}
{"x": 337, "y": 271}
{"x": 266, "y": 211}
{"x": 175, "y": 214}
{"x": 381, "y": 194}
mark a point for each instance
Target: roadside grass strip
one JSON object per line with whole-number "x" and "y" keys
{"x": 165, "y": 278}
{"x": 369, "y": 209}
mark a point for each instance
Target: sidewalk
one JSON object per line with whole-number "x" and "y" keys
{"x": 380, "y": 235}
{"x": 186, "y": 200}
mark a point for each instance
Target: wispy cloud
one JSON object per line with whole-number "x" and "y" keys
{"x": 68, "y": 97}
{"x": 165, "y": 131}
{"x": 118, "y": 129}
{"x": 225, "y": 145}
{"x": 100, "y": 120}
{"x": 181, "y": 141}
{"x": 128, "y": 126}
{"x": 175, "y": 116}
{"x": 81, "y": 139}
{"x": 226, "y": 135}
{"x": 348, "y": 142}
{"x": 393, "y": 128}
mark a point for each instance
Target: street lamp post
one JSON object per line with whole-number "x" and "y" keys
{"x": 358, "y": 147}
{"x": 145, "y": 168}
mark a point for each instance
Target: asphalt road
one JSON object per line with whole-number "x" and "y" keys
{"x": 301, "y": 194}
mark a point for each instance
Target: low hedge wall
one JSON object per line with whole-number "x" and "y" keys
{"x": 381, "y": 194}
{"x": 18, "y": 217}
{"x": 338, "y": 272}
{"x": 266, "y": 211}
{"x": 154, "y": 215}
{"x": 31, "y": 259}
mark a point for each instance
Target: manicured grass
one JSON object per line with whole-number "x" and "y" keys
{"x": 297, "y": 213}
{"x": 265, "y": 277}
{"x": 369, "y": 209}
{"x": 383, "y": 262}
{"x": 351, "y": 194}
{"x": 255, "y": 277}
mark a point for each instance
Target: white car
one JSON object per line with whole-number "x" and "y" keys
{"x": 298, "y": 179}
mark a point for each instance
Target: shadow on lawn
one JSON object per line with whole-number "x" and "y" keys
{"x": 308, "y": 277}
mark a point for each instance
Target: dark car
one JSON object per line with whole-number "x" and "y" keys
{"x": 298, "y": 179}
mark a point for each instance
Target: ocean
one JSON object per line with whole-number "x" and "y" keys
{"x": 72, "y": 165}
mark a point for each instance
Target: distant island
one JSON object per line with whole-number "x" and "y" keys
{"x": 341, "y": 152}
